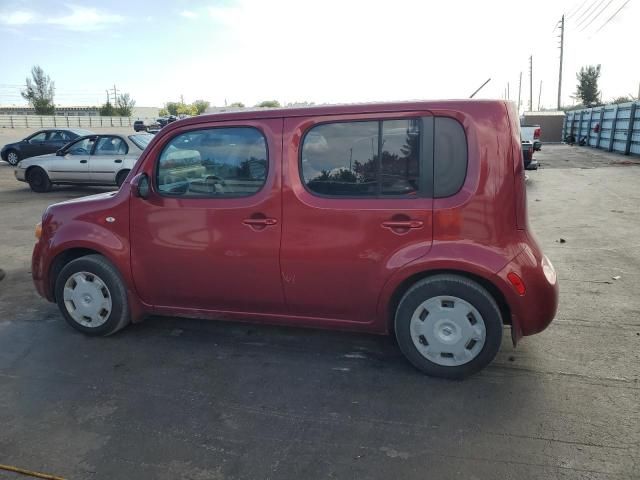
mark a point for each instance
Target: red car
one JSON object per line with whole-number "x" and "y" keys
{"x": 396, "y": 217}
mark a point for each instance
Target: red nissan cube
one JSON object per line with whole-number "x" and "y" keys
{"x": 394, "y": 217}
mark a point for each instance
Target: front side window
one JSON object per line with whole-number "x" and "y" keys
{"x": 81, "y": 147}
{"x": 111, "y": 146}
{"x": 363, "y": 159}
{"x": 215, "y": 162}
{"x": 38, "y": 137}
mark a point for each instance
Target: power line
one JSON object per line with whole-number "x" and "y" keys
{"x": 613, "y": 16}
{"x": 585, "y": 11}
{"x": 574, "y": 10}
{"x": 596, "y": 17}
{"x": 592, "y": 12}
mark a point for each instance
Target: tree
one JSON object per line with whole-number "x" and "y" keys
{"x": 39, "y": 92}
{"x": 172, "y": 107}
{"x": 587, "y": 89}
{"x": 124, "y": 105}
{"x": 184, "y": 109}
{"x": 269, "y": 104}
{"x": 107, "y": 110}
{"x": 237, "y": 105}
{"x": 624, "y": 99}
{"x": 163, "y": 112}
{"x": 200, "y": 106}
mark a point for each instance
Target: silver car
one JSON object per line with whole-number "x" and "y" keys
{"x": 89, "y": 160}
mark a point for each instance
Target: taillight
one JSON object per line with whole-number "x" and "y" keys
{"x": 536, "y": 133}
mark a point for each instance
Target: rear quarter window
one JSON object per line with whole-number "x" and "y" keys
{"x": 450, "y": 155}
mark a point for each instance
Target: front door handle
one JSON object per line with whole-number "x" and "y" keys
{"x": 118, "y": 161}
{"x": 83, "y": 161}
{"x": 402, "y": 224}
{"x": 260, "y": 222}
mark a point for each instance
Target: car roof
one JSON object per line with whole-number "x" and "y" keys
{"x": 79, "y": 131}
{"x": 339, "y": 109}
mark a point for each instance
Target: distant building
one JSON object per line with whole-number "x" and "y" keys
{"x": 550, "y": 124}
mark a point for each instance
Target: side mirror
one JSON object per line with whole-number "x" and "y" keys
{"x": 140, "y": 185}
{"x": 60, "y": 153}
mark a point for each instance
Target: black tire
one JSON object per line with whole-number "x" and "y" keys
{"x": 99, "y": 266}
{"x": 121, "y": 177}
{"x": 465, "y": 289}
{"x": 38, "y": 180}
{"x": 13, "y": 157}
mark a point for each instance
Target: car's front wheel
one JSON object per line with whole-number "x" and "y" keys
{"x": 448, "y": 326}
{"x": 38, "y": 180}
{"x": 92, "y": 296}
{"x": 13, "y": 158}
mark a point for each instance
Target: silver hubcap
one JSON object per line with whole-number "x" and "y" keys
{"x": 12, "y": 157}
{"x": 448, "y": 330}
{"x": 87, "y": 299}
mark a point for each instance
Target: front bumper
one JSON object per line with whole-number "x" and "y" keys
{"x": 39, "y": 271}
{"x": 533, "y": 311}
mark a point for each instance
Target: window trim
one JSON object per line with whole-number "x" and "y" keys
{"x": 156, "y": 165}
{"x": 423, "y": 161}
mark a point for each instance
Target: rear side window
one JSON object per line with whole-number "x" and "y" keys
{"x": 450, "y": 157}
{"x": 111, "y": 146}
{"x": 216, "y": 162}
{"x": 363, "y": 159}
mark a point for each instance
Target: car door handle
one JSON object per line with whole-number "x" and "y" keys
{"x": 259, "y": 222}
{"x": 118, "y": 161}
{"x": 83, "y": 161}
{"x": 402, "y": 224}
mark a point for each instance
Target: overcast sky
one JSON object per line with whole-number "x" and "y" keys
{"x": 321, "y": 50}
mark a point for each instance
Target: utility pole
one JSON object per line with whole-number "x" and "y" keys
{"x": 519, "y": 92}
{"x": 531, "y": 83}
{"x": 107, "y": 90}
{"x": 182, "y": 99}
{"x": 115, "y": 94}
{"x": 539, "y": 95}
{"x": 508, "y": 92}
{"x": 560, "y": 70}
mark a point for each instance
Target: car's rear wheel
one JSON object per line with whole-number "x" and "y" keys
{"x": 13, "y": 157}
{"x": 121, "y": 177}
{"x": 448, "y": 326}
{"x": 38, "y": 180}
{"x": 92, "y": 296}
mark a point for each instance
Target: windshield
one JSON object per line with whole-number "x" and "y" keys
{"x": 142, "y": 140}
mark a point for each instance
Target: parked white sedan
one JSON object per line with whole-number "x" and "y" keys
{"x": 89, "y": 160}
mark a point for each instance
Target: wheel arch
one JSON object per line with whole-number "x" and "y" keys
{"x": 405, "y": 284}
{"x": 123, "y": 171}
{"x": 62, "y": 259}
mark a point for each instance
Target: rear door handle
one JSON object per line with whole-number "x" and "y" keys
{"x": 259, "y": 222}
{"x": 83, "y": 161}
{"x": 118, "y": 161}
{"x": 402, "y": 224}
